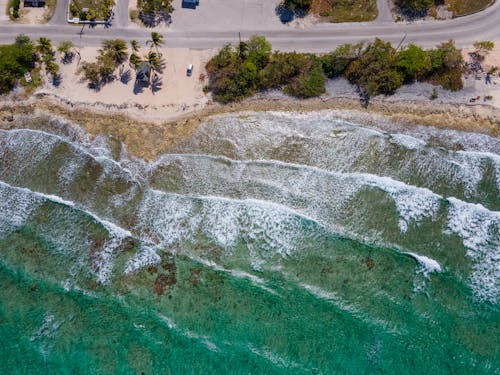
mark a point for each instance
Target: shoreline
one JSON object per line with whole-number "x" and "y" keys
{"x": 136, "y": 130}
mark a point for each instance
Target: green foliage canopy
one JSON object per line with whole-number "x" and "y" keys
{"x": 15, "y": 60}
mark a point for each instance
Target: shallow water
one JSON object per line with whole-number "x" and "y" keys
{"x": 268, "y": 243}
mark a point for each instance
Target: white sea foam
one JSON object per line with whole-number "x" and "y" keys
{"x": 412, "y": 203}
{"x": 203, "y": 339}
{"x": 351, "y": 309}
{"x": 325, "y": 192}
{"x": 170, "y": 219}
{"x": 146, "y": 257}
{"x": 407, "y": 141}
{"x": 274, "y": 358}
{"x": 17, "y": 204}
{"x": 429, "y": 265}
{"x": 479, "y": 229}
{"x": 255, "y": 280}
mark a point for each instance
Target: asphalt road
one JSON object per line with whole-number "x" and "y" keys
{"x": 484, "y": 25}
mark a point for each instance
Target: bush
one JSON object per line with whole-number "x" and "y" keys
{"x": 414, "y": 63}
{"x": 447, "y": 66}
{"x": 15, "y": 8}
{"x": 335, "y": 63}
{"x": 309, "y": 84}
{"x": 375, "y": 71}
{"x": 297, "y": 4}
{"x": 414, "y": 6}
{"x": 377, "y": 68}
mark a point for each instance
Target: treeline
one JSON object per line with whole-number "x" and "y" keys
{"x": 375, "y": 68}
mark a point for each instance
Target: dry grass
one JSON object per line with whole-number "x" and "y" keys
{"x": 462, "y": 7}
{"x": 345, "y": 10}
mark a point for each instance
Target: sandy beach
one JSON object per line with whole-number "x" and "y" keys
{"x": 178, "y": 94}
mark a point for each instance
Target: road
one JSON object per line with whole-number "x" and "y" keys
{"x": 321, "y": 37}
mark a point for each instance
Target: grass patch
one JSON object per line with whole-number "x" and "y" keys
{"x": 462, "y": 7}
{"x": 345, "y": 10}
{"x": 36, "y": 81}
{"x": 91, "y": 10}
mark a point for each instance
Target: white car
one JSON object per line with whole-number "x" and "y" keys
{"x": 189, "y": 70}
{"x": 27, "y": 77}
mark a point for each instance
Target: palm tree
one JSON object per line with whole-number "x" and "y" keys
{"x": 135, "y": 45}
{"x": 66, "y": 48}
{"x": 154, "y": 61}
{"x": 156, "y": 40}
{"x": 116, "y": 49}
{"x": 135, "y": 61}
{"x": 44, "y": 46}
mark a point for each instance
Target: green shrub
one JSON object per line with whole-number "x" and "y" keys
{"x": 297, "y": 4}
{"x": 375, "y": 71}
{"x": 15, "y": 8}
{"x": 336, "y": 62}
{"x": 308, "y": 84}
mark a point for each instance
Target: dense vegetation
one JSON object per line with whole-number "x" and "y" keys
{"x": 152, "y": 12}
{"x": 15, "y": 60}
{"x": 297, "y": 4}
{"x": 91, "y": 10}
{"x": 242, "y": 71}
{"x": 414, "y": 6}
{"x": 375, "y": 68}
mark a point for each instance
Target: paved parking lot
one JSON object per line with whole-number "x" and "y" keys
{"x": 227, "y": 15}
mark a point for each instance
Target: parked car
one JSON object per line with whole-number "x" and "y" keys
{"x": 189, "y": 70}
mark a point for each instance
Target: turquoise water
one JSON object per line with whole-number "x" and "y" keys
{"x": 269, "y": 243}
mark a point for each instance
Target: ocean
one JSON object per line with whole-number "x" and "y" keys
{"x": 266, "y": 243}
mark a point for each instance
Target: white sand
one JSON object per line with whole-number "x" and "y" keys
{"x": 478, "y": 87}
{"x": 179, "y": 94}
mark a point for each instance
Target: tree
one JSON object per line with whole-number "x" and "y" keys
{"x": 91, "y": 72}
{"x": 116, "y": 49}
{"x": 414, "y": 6}
{"x": 156, "y": 40}
{"x": 336, "y": 62}
{"x": 135, "y": 45}
{"x": 375, "y": 71}
{"x": 65, "y": 47}
{"x": 135, "y": 61}
{"x": 152, "y": 12}
{"x": 154, "y": 61}
{"x": 52, "y": 68}
{"x": 258, "y": 51}
{"x": 106, "y": 65}
{"x": 44, "y": 46}
{"x": 414, "y": 62}
{"x": 22, "y": 40}
{"x": 447, "y": 66}
{"x": 15, "y": 60}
